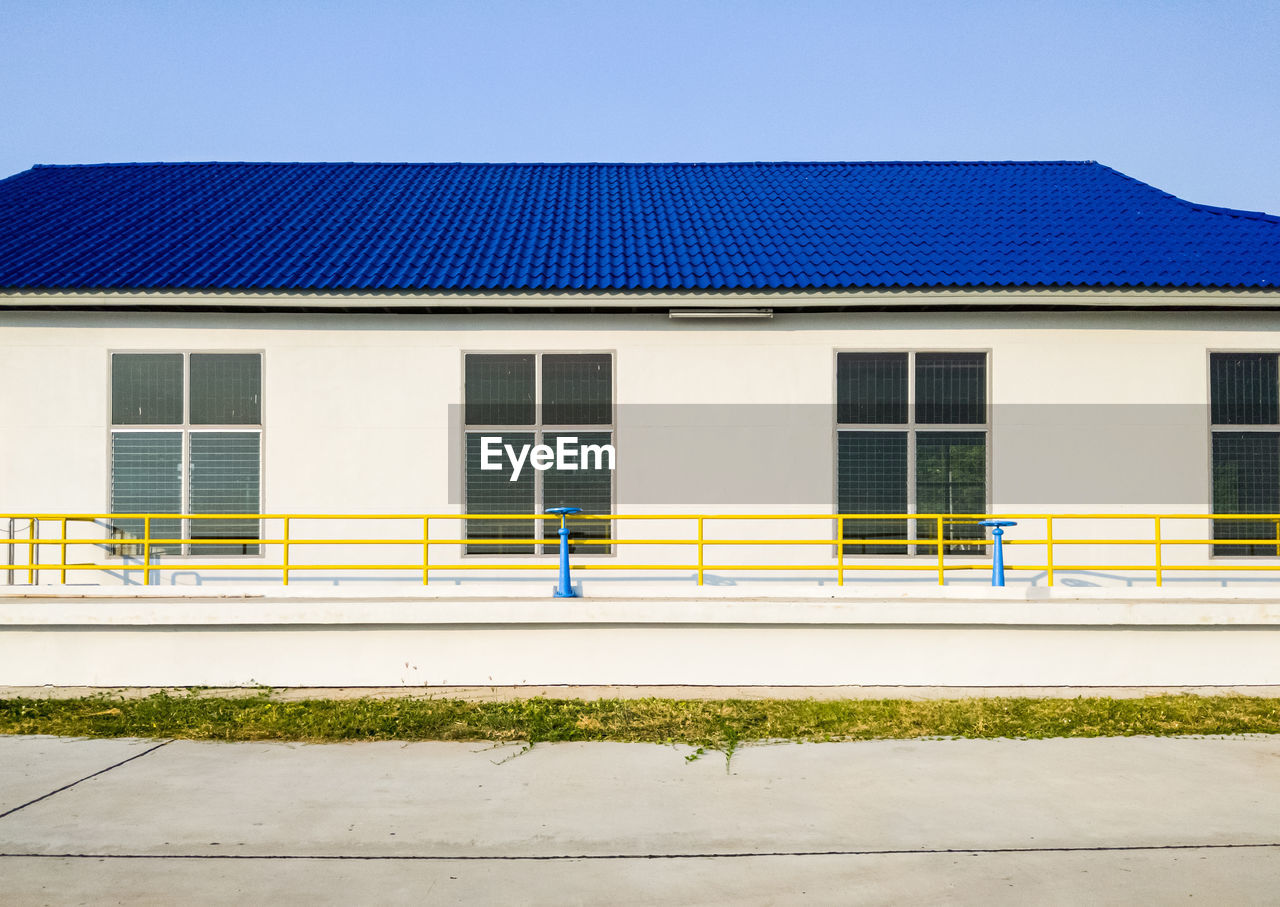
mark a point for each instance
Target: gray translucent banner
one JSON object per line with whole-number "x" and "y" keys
{"x": 1123, "y": 456}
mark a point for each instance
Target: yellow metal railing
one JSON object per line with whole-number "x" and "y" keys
{"x": 931, "y": 554}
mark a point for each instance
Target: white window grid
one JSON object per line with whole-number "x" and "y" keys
{"x": 912, "y": 428}
{"x": 538, "y": 428}
{"x": 186, "y": 429}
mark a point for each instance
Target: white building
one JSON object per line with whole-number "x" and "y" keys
{"x": 247, "y": 404}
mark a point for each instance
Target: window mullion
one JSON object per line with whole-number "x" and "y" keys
{"x": 911, "y": 390}
{"x": 912, "y": 479}
{"x": 913, "y": 501}
{"x": 537, "y": 529}
{"x": 185, "y": 525}
{"x": 539, "y": 504}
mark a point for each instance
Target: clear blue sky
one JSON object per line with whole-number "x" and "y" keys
{"x": 1184, "y": 94}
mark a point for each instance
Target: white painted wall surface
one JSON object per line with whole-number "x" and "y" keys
{"x": 356, "y": 406}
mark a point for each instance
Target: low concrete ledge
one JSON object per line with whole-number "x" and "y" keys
{"x": 169, "y": 611}
{"x": 969, "y": 605}
{"x": 961, "y": 637}
{"x": 657, "y": 591}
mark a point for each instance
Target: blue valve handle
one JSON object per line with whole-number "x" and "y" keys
{"x": 565, "y": 589}
{"x": 997, "y": 561}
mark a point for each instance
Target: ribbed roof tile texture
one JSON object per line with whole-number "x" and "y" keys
{"x": 421, "y": 227}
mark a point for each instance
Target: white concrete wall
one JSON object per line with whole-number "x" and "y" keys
{"x": 885, "y": 637}
{"x": 356, "y": 406}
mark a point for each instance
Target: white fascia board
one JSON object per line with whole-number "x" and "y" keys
{"x": 1160, "y": 297}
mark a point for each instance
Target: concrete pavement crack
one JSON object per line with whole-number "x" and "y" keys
{"x": 445, "y": 858}
{"x": 103, "y": 771}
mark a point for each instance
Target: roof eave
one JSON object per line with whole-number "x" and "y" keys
{"x": 854, "y": 297}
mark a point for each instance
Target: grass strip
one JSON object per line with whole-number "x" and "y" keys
{"x": 717, "y": 724}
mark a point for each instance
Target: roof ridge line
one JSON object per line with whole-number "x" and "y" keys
{"x": 744, "y": 163}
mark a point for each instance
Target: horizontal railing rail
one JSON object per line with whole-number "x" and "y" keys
{"x": 939, "y": 543}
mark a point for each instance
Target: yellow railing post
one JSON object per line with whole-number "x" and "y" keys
{"x": 1048, "y": 543}
{"x": 146, "y": 551}
{"x": 426, "y": 548}
{"x": 33, "y": 553}
{"x": 1277, "y": 538}
{"x": 840, "y": 550}
{"x": 1159, "y": 555}
{"x": 284, "y": 554}
{"x": 62, "y": 577}
{"x": 701, "y": 538}
{"x": 942, "y": 575}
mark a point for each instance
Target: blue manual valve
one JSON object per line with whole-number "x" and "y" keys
{"x": 997, "y": 561}
{"x": 566, "y": 587}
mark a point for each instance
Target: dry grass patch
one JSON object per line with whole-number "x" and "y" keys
{"x": 717, "y": 724}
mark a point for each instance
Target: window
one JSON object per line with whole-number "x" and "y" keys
{"x": 514, "y": 402}
{"x": 911, "y": 437}
{"x": 1244, "y": 407}
{"x": 186, "y": 437}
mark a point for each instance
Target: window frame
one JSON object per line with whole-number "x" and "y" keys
{"x": 911, "y": 428}
{"x": 185, "y": 428}
{"x": 538, "y": 428}
{"x": 1215, "y": 428}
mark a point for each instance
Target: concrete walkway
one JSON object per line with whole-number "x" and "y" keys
{"x": 1060, "y": 822}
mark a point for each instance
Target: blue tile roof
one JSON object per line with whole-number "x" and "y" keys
{"x": 247, "y": 226}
